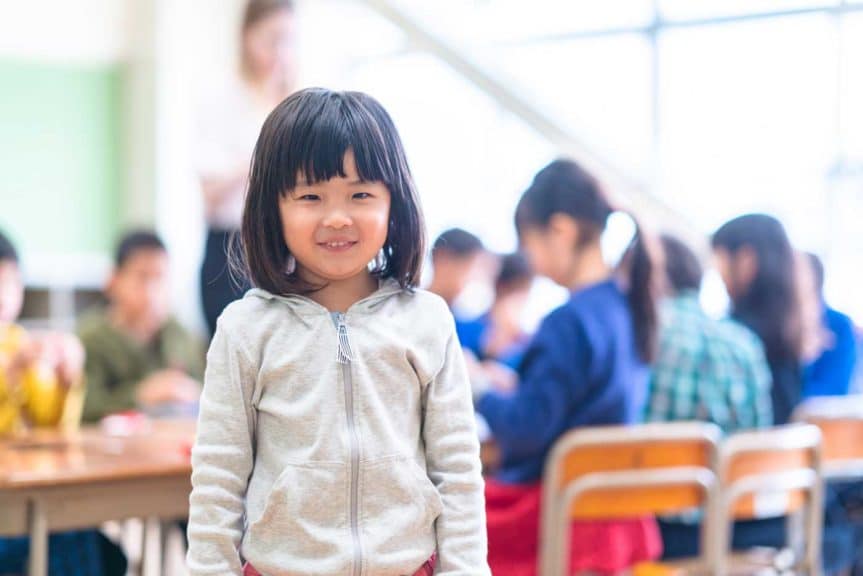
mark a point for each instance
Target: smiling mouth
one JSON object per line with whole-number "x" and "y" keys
{"x": 338, "y": 245}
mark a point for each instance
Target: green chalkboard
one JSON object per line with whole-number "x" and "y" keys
{"x": 60, "y": 155}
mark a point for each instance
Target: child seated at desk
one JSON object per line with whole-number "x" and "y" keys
{"x": 138, "y": 356}
{"x": 36, "y": 371}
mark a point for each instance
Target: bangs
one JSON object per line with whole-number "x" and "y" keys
{"x": 323, "y": 133}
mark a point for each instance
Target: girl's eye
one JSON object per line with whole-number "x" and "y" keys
{"x": 362, "y": 195}
{"x": 309, "y": 197}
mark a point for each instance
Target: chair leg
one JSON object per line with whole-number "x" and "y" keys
{"x": 151, "y": 553}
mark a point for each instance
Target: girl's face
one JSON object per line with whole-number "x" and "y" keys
{"x": 551, "y": 249}
{"x": 336, "y": 227}
{"x": 268, "y": 45}
{"x": 737, "y": 270}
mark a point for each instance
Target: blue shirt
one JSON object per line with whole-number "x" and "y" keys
{"x": 830, "y": 374}
{"x": 582, "y": 368}
{"x": 473, "y": 334}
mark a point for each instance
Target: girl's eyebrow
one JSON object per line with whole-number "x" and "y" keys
{"x": 305, "y": 183}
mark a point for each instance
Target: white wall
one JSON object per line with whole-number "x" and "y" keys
{"x": 78, "y": 31}
{"x": 195, "y": 48}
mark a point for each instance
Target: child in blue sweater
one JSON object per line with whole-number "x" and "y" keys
{"x": 586, "y": 366}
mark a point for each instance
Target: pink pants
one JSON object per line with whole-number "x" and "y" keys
{"x": 426, "y": 569}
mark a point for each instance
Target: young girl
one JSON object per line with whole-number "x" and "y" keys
{"x": 585, "y": 366}
{"x": 756, "y": 262}
{"x": 336, "y": 433}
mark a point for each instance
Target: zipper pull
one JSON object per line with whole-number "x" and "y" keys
{"x": 345, "y": 353}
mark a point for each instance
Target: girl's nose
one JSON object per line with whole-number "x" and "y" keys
{"x": 337, "y": 219}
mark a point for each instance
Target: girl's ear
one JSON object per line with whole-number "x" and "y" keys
{"x": 563, "y": 229}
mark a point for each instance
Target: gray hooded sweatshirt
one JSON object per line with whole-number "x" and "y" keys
{"x": 336, "y": 444}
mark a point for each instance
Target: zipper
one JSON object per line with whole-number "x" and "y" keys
{"x": 344, "y": 357}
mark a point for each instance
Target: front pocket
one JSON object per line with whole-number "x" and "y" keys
{"x": 303, "y": 527}
{"x": 399, "y": 508}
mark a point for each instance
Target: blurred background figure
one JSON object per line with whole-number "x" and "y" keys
{"x": 499, "y": 334}
{"x": 138, "y": 355}
{"x": 40, "y": 372}
{"x": 757, "y": 265}
{"x": 457, "y": 258}
{"x": 587, "y": 365}
{"x": 831, "y": 372}
{"x": 36, "y": 374}
{"x": 706, "y": 369}
{"x": 229, "y": 127}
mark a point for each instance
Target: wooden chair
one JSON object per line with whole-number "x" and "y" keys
{"x": 770, "y": 473}
{"x": 840, "y": 419}
{"x": 624, "y": 472}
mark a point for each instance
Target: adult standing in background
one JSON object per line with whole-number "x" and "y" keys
{"x": 230, "y": 123}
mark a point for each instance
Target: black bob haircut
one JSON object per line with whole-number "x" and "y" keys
{"x": 310, "y": 132}
{"x": 134, "y": 242}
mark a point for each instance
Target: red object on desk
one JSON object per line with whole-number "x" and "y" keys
{"x": 127, "y": 423}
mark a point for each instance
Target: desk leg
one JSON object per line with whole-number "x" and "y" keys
{"x": 38, "y": 561}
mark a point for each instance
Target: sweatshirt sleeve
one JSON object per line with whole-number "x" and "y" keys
{"x": 452, "y": 459}
{"x": 552, "y": 381}
{"x": 222, "y": 460}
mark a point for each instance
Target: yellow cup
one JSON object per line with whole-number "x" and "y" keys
{"x": 44, "y": 395}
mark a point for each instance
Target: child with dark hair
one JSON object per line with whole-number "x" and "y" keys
{"x": 706, "y": 369}
{"x": 336, "y": 434}
{"x": 587, "y": 365}
{"x": 455, "y": 257}
{"x": 138, "y": 356}
{"x": 760, "y": 271}
{"x": 757, "y": 265}
{"x": 498, "y": 335}
{"x": 36, "y": 370}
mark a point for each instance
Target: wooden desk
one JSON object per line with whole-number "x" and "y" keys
{"x": 50, "y": 481}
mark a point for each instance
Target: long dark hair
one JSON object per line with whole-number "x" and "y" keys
{"x": 564, "y": 187}
{"x": 769, "y": 305}
{"x": 310, "y": 132}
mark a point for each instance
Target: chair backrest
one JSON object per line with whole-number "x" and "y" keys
{"x": 840, "y": 419}
{"x": 624, "y": 472}
{"x": 770, "y": 473}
